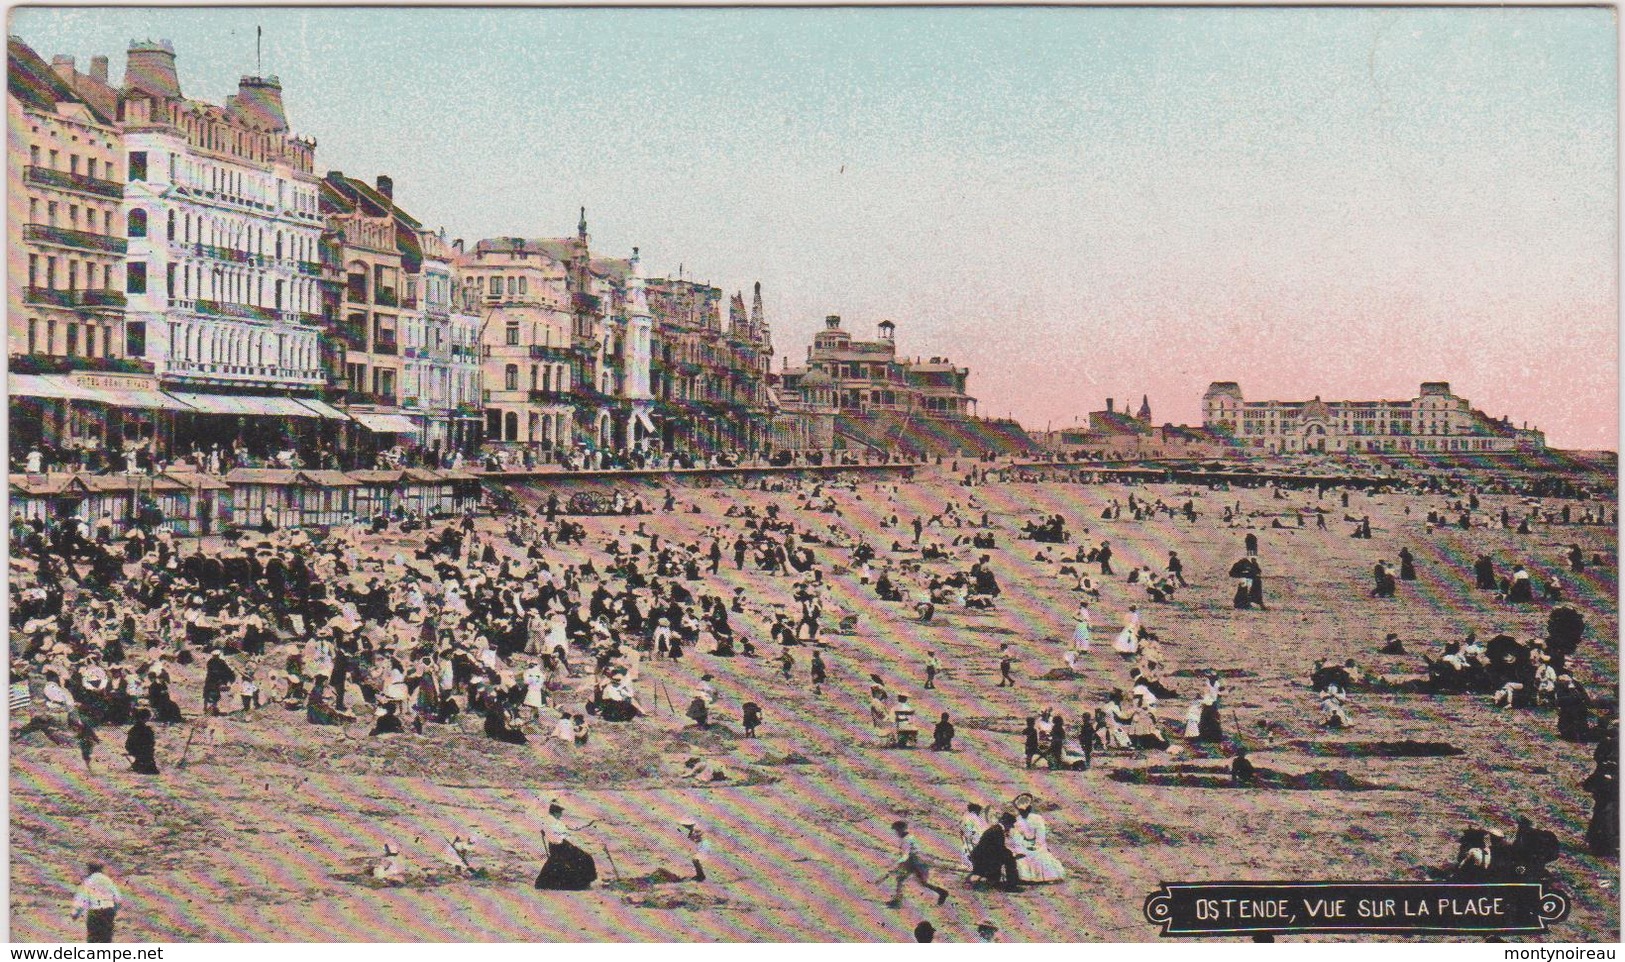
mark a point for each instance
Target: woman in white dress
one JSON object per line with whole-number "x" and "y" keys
{"x": 535, "y": 689}
{"x": 1080, "y": 634}
{"x": 1128, "y": 640}
{"x": 1037, "y": 864}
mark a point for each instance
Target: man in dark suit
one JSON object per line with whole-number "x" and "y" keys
{"x": 992, "y": 859}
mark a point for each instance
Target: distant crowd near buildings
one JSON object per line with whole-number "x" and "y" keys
{"x": 1434, "y": 422}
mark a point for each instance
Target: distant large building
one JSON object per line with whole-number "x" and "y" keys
{"x": 1436, "y": 421}
{"x": 861, "y": 396}
{"x": 867, "y": 377}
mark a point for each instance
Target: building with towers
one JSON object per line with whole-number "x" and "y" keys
{"x": 861, "y": 395}
{"x": 1435, "y": 421}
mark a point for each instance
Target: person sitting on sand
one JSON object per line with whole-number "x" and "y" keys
{"x": 387, "y": 723}
{"x": 392, "y": 868}
{"x": 1334, "y": 708}
{"x": 496, "y": 724}
{"x": 705, "y": 770}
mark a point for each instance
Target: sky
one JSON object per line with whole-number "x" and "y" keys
{"x": 1074, "y": 203}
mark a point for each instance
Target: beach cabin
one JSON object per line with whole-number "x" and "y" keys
{"x": 193, "y": 505}
{"x": 378, "y": 491}
{"x": 83, "y": 496}
{"x": 459, "y": 491}
{"x": 291, "y": 498}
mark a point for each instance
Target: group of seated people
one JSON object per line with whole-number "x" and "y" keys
{"x": 1052, "y": 530}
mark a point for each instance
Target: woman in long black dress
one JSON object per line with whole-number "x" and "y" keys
{"x": 141, "y": 745}
{"x": 496, "y": 724}
{"x": 164, "y": 709}
{"x": 568, "y": 868}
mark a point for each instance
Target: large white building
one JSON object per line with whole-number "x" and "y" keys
{"x": 1435, "y": 421}
{"x": 222, "y": 216}
{"x": 440, "y": 340}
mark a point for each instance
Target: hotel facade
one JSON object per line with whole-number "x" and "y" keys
{"x": 1435, "y": 421}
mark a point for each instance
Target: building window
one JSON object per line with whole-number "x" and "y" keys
{"x": 33, "y": 335}
{"x": 521, "y": 282}
{"x": 138, "y": 165}
{"x": 73, "y": 339}
{"x": 137, "y": 223}
{"x": 496, "y": 287}
{"x": 135, "y": 278}
{"x": 511, "y": 378}
{"x": 513, "y": 333}
{"x": 171, "y": 225}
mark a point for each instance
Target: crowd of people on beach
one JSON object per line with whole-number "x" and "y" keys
{"x": 553, "y": 629}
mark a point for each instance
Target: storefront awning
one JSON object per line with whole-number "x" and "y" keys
{"x": 643, "y": 419}
{"x": 242, "y": 404}
{"x": 385, "y": 423}
{"x": 51, "y": 386}
{"x": 323, "y": 409}
{"x": 210, "y": 403}
{"x": 144, "y": 400}
{"x": 283, "y": 407}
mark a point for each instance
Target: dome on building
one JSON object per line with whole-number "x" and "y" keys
{"x": 816, "y": 378}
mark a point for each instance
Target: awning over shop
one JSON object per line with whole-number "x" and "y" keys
{"x": 643, "y": 419}
{"x": 323, "y": 409}
{"x": 385, "y": 423}
{"x": 242, "y": 404}
{"x": 144, "y": 400}
{"x": 211, "y": 403}
{"x": 52, "y": 386}
{"x": 285, "y": 407}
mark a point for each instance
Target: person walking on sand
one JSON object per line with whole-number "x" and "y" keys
{"x": 932, "y": 667}
{"x": 98, "y": 900}
{"x": 700, "y": 846}
{"x": 1006, "y": 662}
{"x": 909, "y": 865}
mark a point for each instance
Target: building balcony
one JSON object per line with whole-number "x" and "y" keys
{"x": 384, "y": 297}
{"x": 79, "y": 183}
{"x": 310, "y": 268}
{"x": 370, "y": 398}
{"x": 76, "y": 239}
{"x": 550, "y": 397}
{"x": 540, "y": 352}
{"x": 85, "y": 298}
{"x": 409, "y": 303}
{"x": 384, "y": 343}
{"x": 183, "y": 367}
{"x": 247, "y": 312}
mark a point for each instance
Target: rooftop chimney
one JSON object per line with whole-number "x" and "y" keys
{"x": 1108, "y": 405}
{"x": 63, "y": 65}
{"x": 386, "y": 186}
{"x": 150, "y": 68}
{"x": 98, "y": 69}
{"x": 259, "y": 101}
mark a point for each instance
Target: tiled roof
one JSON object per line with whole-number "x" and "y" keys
{"x": 32, "y": 81}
